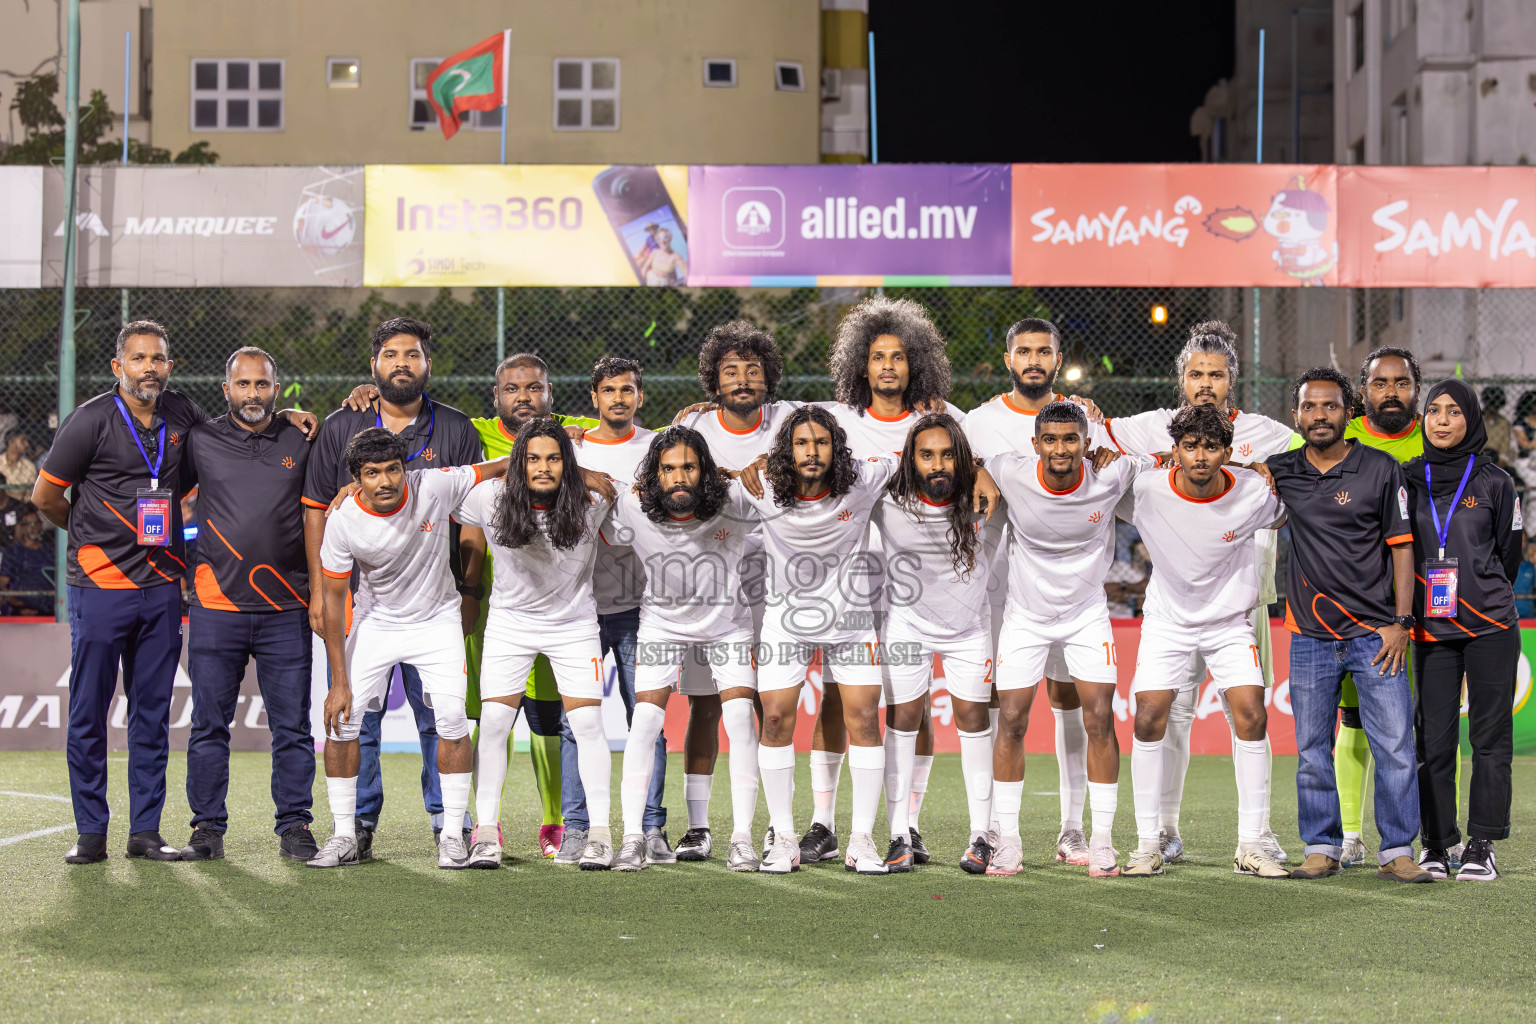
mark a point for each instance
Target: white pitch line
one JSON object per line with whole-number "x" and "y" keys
{"x": 34, "y": 835}
{"x": 36, "y": 796}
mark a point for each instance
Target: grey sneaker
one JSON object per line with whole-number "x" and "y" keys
{"x": 597, "y": 855}
{"x": 451, "y": 854}
{"x": 1354, "y": 853}
{"x": 1142, "y": 864}
{"x": 485, "y": 850}
{"x": 631, "y": 855}
{"x": 1072, "y": 847}
{"x": 571, "y": 845}
{"x": 741, "y": 857}
{"x": 657, "y": 850}
{"x": 1271, "y": 845}
{"x": 338, "y": 851}
{"x": 1172, "y": 847}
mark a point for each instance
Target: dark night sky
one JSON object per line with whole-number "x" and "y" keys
{"x": 1071, "y": 81}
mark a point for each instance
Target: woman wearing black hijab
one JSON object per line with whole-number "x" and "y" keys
{"x": 1467, "y": 538}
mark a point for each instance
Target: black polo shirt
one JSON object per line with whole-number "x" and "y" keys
{"x": 1343, "y": 523}
{"x": 439, "y": 436}
{"x": 250, "y": 523}
{"x": 95, "y": 453}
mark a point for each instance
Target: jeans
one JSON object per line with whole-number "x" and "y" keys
{"x": 1489, "y": 664}
{"x": 617, "y": 632}
{"x": 218, "y": 647}
{"x": 1386, "y": 711}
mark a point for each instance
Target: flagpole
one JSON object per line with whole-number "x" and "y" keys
{"x": 501, "y": 291}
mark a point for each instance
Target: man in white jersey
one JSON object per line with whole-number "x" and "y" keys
{"x": 542, "y": 529}
{"x": 1061, "y": 522}
{"x": 938, "y": 555}
{"x": 394, "y": 529}
{"x": 1032, "y": 356}
{"x": 1199, "y": 521}
{"x": 1207, "y": 371}
{"x": 689, "y": 528}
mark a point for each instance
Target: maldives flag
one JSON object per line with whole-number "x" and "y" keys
{"x": 475, "y": 79}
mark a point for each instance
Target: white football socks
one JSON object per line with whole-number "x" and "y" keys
{"x": 866, "y": 767}
{"x": 1250, "y": 760}
{"x": 1181, "y": 719}
{"x": 342, "y": 794}
{"x": 496, "y": 721}
{"x": 1103, "y": 798}
{"x": 1269, "y": 759}
{"x": 639, "y": 761}
{"x": 900, "y": 753}
{"x": 1071, "y": 765}
{"x": 455, "y": 788}
{"x": 594, "y": 763}
{"x": 976, "y": 766}
{"x": 826, "y": 770}
{"x": 1147, "y": 789}
{"x": 740, "y": 721}
{"x": 777, "y": 765}
{"x": 922, "y": 767}
{"x": 696, "y": 793}
{"x": 1007, "y": 798}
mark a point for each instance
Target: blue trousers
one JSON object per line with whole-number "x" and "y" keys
{"x": 218, "y": 648}
{"x": 618, "y": 633}
{"x": 142, "y": 629}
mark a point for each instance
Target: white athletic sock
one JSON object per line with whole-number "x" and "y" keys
{"x": 1146, "y": 788}
{"x": 826, "y": 769}
{"x": 1269, "y": 760}
{"x": 1007, "y": 798}
{"x": 921, "y": 768}
{"x": 496, "y": 721}
{"x": 900, "y": 754}
{"x": 1248, "y": 764}
{"x": 342, "y": 794}
{"x": 866, "y": 767}
{"x": 594, "y": 762}
{"x": 1103, "y": 797}
{"x": 455, "y": 788}
{"x": 639, "y": 760}
{"x": 1181, "y": 719}
{"x": 976, "y": 766}
{"x": 777, "y": 765}
{"x": 740, "y": 721}
{"x": 1071, "y": 765}
{"x": 696, "y": 793}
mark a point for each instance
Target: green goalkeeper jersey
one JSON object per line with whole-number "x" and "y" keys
{"x": 1402, "y": 447}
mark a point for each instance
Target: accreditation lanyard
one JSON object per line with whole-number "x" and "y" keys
{"x": 378, "y": 421}
{"x": 154, "y": 505}
{"x": 1440, "y": 574}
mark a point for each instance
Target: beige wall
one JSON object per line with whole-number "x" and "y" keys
{"x": 666, "y": 114}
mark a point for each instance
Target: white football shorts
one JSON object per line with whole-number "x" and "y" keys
{"x": 1055, "y": 660}
{"x": 1168, "y": 652}
{"x": 1085, "y": 643}
{"x": 574, "y": 650}
{"x": 782, "y": 660}
{"x": 434, "y": 648}
{"x": 719, "y": 665}
{"x": 908, "y": 662}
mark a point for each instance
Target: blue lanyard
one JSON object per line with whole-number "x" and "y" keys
{"x": 1444, "y": 532}
{"x": 378, "y": 421}
{"x": 154, "y": 470}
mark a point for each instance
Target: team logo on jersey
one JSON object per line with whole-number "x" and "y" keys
{"x": 845, "y": 515}
{"x": 426, "y": 526}
{"x": 1402, "y": 502}
{"x": 288, "y": 462}
{"x": 1245, "y": 450}
{"x": 1229, "y": 536}
{"x": 175, "y": 438}
{"x": 722, "y": 534}
{"x": 1342, "y": 497}
{"x": 429, "y": 454}
{"x": 1469, "y": 501}
{"x": 1096, "y": 517}
{"x": 1519, "y": 523}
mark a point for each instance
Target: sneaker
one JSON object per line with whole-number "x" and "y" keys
{"x": 364, "y": 843}
{"x": 656, "y": 849}
{"x": 1477, "y": 862}
{"x": 977, "y": 856}
{"x": 468, "y": 836}
{"x": 1453, "y": 856}
{"x": 1403, "y": 869}
{"x": 597, "y": 855}
{"x": 783, "y": 856}
{"x": 486, "y": 852}
{"x": 1102, "y": 862}
{"x": 1258, "y": 862}
{"x": 1354, "y": 853}
{"x": 1316, "y": 865}
{"x": 298, "y": 842}
{"x": 740, "y": 856}
{"x": 1072, "y": 847}
{"x": 818, "y": 844}
{"x": 864, "y": 858}
{"x": 1170, "y": 848}
{"x": 338, "y": 851}
{"x": 452, "y": 854}
{"x": 1007, "y": 858}
{"x": 89, "y": 848}
{"x": 1140, "y": 864}
{"x": 572, "y": 842}
{"x": 696, "y": 845}
{"x": 1271, "y": 844}
{"x": 550, "y": 838}
{"x": 205, "y": 844}
{"x": 150, "y": 846}
{"x": 919, "y": 848}
{"x": 900, "y": 856}
{"x": 1436, "y": 862}
{"x": 767, "y": 842}
{"x": 631, "y": 855}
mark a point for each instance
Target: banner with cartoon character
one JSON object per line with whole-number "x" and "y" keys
{"x": 1175, "y": 225}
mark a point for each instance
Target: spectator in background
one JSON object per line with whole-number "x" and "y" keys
{"x": 1125, "y": 585}
{"x": 24, "y": 566}
{"x": 1523, "y": 430}
{"x": 18, "y": 470}
{"x": 1501, "y": 443}
{"x": 1525, "y": 582}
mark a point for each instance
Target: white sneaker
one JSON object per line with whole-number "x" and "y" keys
{"x": 1102, "y": 862}
{"x": 741, "y": 857}
{"x": 451, "y": 854}
{"x": 597, "y": 855}
{"x": 338, "y": 851}
{"x": 485, "y": 849}
{"x": 1354, "y": 853}
{"x": 1257, "y": 862}
{"x": 863, "y": 857}
{"x": 1072, "y": 847}
{"x": 1271, "y": 844}
{"x": 1453, "y": 856}
{"x": 1172, "y": 847}
{"x": 783, "y": 856}
{"x": 1008, "y": 858}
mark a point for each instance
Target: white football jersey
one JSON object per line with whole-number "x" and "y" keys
{"x": 870, "y": 437}
{"x": 736, "y": 449}
{"x": 925, "y": 592}
{"x": 618, "y": 579}
{"x": 1061, "y": 542}
{"x": 1203, "y": 566}
{"x": 693, "y": 583}
{"x": 542, "y": 586}
{"x": 1000, "y": 426}
{"x": 402, "y": 555}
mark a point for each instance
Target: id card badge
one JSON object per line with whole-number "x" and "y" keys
{"x": 1440, "y": 588}
{"x": 154, "y": 523}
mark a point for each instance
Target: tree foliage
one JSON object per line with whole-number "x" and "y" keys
{"x": 35, "y": 107}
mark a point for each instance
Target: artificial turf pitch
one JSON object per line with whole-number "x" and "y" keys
{"x": 256, "y": 938}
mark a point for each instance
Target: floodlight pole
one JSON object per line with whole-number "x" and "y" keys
{"x": 501, "y": 291}
{"x": 127, "y": 100}
{"x": 67, "y": 313}
{"x": 1259, "y": 158}
{"x": 874, "y": 124}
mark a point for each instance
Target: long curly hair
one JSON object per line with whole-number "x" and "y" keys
{"x": 515, "y": 523}
{"x": 906, "y": 487}
{"x": 927, "y": 365}
{"x": 780, "y": 470}
{"x": 712, "y": 486}
{"x": 749, "y": 340}
{"x": 1209, "y": 338}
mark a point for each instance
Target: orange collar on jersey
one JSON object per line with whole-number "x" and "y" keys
{"x": 720, "y": 415}
{"x": 815, "y": 497}
{"x": 887, "y": 419}
{"x": 358, "y": 497}
{"x": 679, "y": 519}
{"x": 501, "y": 426}
{"x": 1082, "y": 473}
{"x": 935, "y": 504}
{"x": 1365, "y": 425}
{"x": 1008, "y": 401}
{"x": 602, "y": 440}
{"x": 1231, "y": 482}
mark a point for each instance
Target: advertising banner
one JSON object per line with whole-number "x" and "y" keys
{"x": 201, "y": 227}
{"x": 1439, "y": 227}
{"x": 459, "y": 225}
{"x": 21, "y": 227}
{"x": 846, "y": 224}
{"x": 1175, "y": 225}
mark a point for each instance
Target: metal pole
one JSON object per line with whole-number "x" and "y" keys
{"x": 874, "y": 122}
{"x": 501, "y": 291}
{"x": 1259, "y": 155}
{"x": 67, "y": 314}
{"x": 1295, "y": 85}
{"x": 127, "y": 101}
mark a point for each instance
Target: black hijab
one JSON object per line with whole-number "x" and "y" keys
{"x": 1446, "y": 465}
